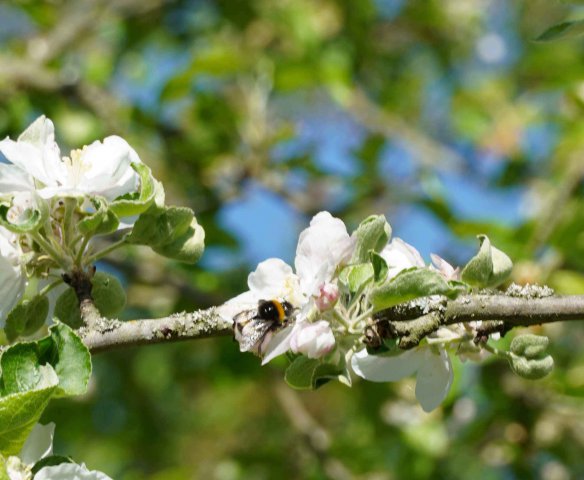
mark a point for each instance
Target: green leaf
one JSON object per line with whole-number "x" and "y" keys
{"x": 67, "y": 309}
{"x": 27, "y": 317}
{"x": 19, "y": 412}
{"x": 489, "y": 268}
{"x": 308, "y": 373}
{"x": 408, "y": 285}
{"x": 379, "y": 264}
{"x": 562, "y": 30}
{"x": 62, "y": 350}
{"x": 325, "y": 372}
{"x": 137, "y": 203}
{"x": 108, "y": 295}
{"x": 356, "y": 277}
{"x": 70, "y": 359}
{"x": 372, "y": 234}
{"x": 21, "y": 370}
{"x": 101, "y": 222}
{"x": 299, "y": 373}
{"x": 159, "y": 227}
{"x": 188, "y": 247}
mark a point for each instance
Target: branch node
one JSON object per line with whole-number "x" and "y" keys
{"x": 80, "y": 281}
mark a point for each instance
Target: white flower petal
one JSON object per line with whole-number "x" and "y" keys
{"x": 13, "y": 179}
{"x": 400, "y": 255}
{"x": 377, "y": 368}
{"x": 268, "y": 272}
{"x": 434, "y": 379}
{"x": 279, "y": 343}
{"x": 273, "y": 279}
{"x": 104, "y": 168}
{"x": 39, "y": 443}
{"x": 69, "y": 471}
{"x": 35, "y": 152}
{"x": 12, "y": 279}
{"x": 322, "y": 247}
{"x": 328, "y": 295}
{"x": 444, "y": 268}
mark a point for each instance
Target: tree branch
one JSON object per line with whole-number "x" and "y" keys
{"x": 108, "y": 335}
{"x": 514, "y": 311}
{"x": 411, "y": 321}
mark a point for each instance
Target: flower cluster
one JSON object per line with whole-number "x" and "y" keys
{"x": 53, "y": 208}
{"x": 44, "y": 197}
{"x": 312, "y": 290}
{"x": 338, "y": 284}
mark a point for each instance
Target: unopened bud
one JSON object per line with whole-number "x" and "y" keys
{"x": 314, "y": 340}
{"x": 529, "y": 345}
{"x": 328, "y": 295}
{"x": 532, "y": 369}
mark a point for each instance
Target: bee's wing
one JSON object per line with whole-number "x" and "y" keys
{"x": 249, "y": 330}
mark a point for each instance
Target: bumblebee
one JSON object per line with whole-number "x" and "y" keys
{"x": 251, "y": 327}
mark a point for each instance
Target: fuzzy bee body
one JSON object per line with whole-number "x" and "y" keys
{"x": 251, "y": 327}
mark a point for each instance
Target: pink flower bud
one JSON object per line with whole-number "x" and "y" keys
{"x": 328, "y": 295}
{"x": 313, "y": 339}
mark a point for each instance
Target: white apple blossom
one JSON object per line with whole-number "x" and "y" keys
{"x": 12, "y": 278}
{"x": 102, "y": 168}
{"x": 430, "y": 363}
{"x": 17, "y": 470}
{"x": 272, "y": 279}
{"x": 322, "y": 248}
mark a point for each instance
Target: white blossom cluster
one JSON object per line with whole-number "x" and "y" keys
{"x": 328, "y": 325}
{"x": 35, "y": 178}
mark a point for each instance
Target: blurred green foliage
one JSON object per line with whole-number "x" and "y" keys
{"x": 220, "y": 97}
